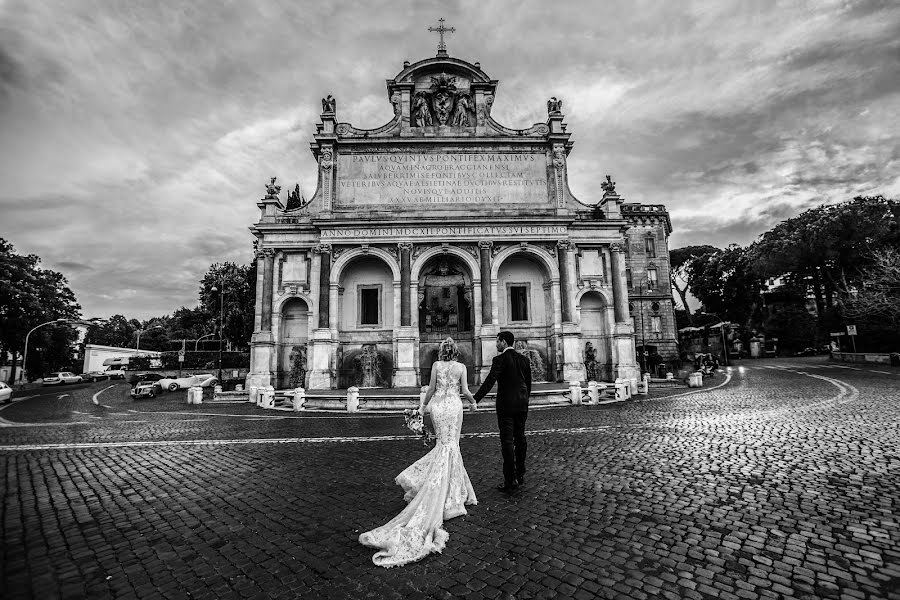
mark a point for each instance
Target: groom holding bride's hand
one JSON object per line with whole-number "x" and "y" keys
{"x": 512, "y": 373}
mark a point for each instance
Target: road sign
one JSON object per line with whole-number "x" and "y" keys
{"x": 838, "y": 334}
{"x": 181, "y": 358}
{"x": 851, "y": 329}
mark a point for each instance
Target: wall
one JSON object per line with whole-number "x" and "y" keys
{"x": 366, "y": 271}
{"x": 517, "y": 270}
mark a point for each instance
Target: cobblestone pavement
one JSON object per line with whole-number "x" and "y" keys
{"x": 784, "y": 481}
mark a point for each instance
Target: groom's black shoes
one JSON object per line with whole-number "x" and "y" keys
{"x": 508, "y": 487}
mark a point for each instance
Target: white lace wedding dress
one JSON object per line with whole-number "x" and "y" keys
{"x": 437, "y": 486}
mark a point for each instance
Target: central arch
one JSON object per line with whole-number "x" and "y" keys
{"x": 445, "y": 307}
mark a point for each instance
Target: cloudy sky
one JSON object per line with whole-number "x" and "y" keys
{"x": 138, "y": 136}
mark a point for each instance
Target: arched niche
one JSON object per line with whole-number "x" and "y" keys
{"x": 596, "y": 330}
{"x": 293, "y": 337}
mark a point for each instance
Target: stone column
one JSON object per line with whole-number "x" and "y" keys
{"x": 324, "y": 251}
{"x": 570, "y": 336}
{"x": 321, "y": 348}
{"x": 268, "y": 285}
{"x": 488, "y": 331}
{"x": 406, "y": 338}
{"x": 619, "y": 283}
{"x": 484, "y": 248}
{"x": 262, "y": 343}
{"x": 624, "y": 361}
{"x": 405, "y": 266}
{"x": 565, "y": 280}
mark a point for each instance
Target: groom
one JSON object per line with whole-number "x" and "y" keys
{"x": 512, "y": 372}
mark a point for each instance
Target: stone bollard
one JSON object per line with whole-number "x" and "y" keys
{"x": 239, "y": 387}
{"x": 644, "y": 386}
{"x": 633, "y": 386}
{"x": 623, "y": 389}
{"x": 594, "y": 392}
{"x": 646, "y": 377}
{"x": 695, "y": 379}
{"x": 299, "y": 399}
{"x": 254, "y": 394}
{"x": 269, "y": 397}
{"x": 575, "y": 392}
{"x": 670, "y": 375}
{"x": 218, "y": 389}
{"x": 352, "y": 399}
{"x": 195, "y": 395}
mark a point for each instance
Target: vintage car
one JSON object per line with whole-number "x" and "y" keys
{"x": 5, "y": 393}
{"x": 182, "y": 383}
{"x": 134, "y": 378}
{"x": 146, "y": 389}
{"x": 61, "y": 378}
{"x": 95, "y": 376}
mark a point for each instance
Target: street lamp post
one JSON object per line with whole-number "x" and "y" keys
{"x": 27, "y": 335}
{"x": 640, "y": 289}
{"x": 137, "y": 346}
{"x": 221, "y": 322}
{"x": 92, "y": 321}
{"x": 197, "y": 341}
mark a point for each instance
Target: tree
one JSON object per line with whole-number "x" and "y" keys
{"x": 30, "y": 296}
{"x": 726, "y": 285}
{"x": 827, "y": 247}
{"x": 679, "y": 259}
{"x": 238, "y": 303}
{"x": 877, "y": 299}
{"x": 118, "y": 331}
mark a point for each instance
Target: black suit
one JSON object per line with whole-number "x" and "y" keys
{"x": 512, "y": 373}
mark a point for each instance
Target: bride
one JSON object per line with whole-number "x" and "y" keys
{"x": 437, "y": 486}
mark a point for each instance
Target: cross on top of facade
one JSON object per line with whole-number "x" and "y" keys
{"x": 440, "y": 29}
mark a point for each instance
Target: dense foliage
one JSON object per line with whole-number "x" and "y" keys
{"x": 29, "y": 297}
{"x": 843, "y": 257}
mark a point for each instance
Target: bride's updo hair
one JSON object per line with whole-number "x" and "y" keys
{"x": 448, "y": 350}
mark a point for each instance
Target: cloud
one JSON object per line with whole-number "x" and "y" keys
{"x": 138, "y": 137}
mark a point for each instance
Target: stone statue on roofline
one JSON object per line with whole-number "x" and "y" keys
{"x": 554, "y": 106}
{"x": 329, "y": 104}
{"x": 608, "y": 186}
{"x": 272, "y": 190}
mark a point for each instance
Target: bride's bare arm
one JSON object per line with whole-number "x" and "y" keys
{"x": 430, "y": 392}
{"x": 464, "y": 387}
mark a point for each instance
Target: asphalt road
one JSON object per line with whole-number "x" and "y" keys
{"x": 783, "y": 480}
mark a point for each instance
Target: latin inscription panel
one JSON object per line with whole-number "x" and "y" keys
{"x": 417, "y": 180}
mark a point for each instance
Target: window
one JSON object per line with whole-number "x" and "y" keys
{"x": 655, "y": 324}
{"x": 650, "y": 247}
{"x": 651, "y": 279}
{"x": 518, "y": 303}
{"x": 369, "y": 309}
{"x": 628, "y": 279}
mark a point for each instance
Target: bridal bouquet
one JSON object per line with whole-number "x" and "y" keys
{"x": 416, "y": 423}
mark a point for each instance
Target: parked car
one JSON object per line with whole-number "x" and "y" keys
{"x": 61, "y": 378}
{"x": 146, "y": 389}
{"x": 115, "y": 372}
{"x": 203, "y": 380}
{"x": 95, "y": 376}
{"x": 135, "y": 378}
{"x": 5, "y": 393}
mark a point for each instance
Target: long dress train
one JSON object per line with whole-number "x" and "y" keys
{"x": 436, "y": 486}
